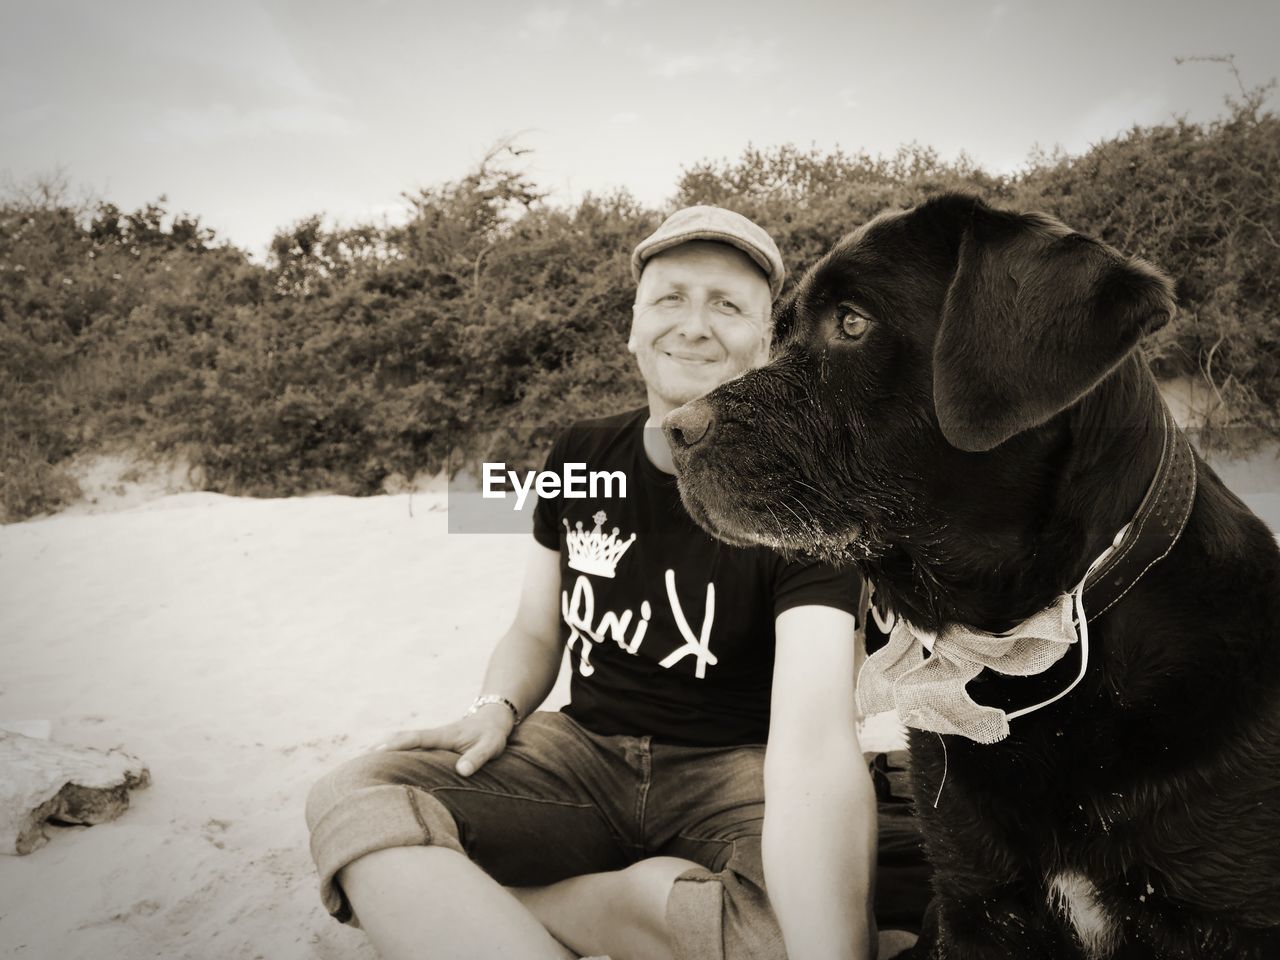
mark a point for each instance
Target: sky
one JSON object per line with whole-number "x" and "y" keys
{"x": 254, "y": 114}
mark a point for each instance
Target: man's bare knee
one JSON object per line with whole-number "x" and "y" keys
{"x": 620, "y": 913}
{"x": 640, "y": 902}
{"x": 648, "y": 884}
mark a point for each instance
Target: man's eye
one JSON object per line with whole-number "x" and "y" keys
{"x": 728, "y": 306}
{"x": 670, "y": 298}
{"x": 853, "y": 323}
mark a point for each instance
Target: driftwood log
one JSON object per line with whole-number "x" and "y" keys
{"x": 42, "y": 782}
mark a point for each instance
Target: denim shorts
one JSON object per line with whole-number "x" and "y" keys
{"x": 561, "y": 801}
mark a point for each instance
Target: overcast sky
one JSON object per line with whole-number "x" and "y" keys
{"x": 256, "y": 114}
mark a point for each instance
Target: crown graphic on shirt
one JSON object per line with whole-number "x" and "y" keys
{"x": 595, "y": 551}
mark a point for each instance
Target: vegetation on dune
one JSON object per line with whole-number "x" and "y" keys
{"x": 491, "y": 318}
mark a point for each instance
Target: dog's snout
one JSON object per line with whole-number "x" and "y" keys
{"x": 690, "y": 425}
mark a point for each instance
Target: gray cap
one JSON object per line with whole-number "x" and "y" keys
{"x": 718, "y": 225}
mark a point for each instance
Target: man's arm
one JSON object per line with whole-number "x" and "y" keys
{"x": 523, "y": 668}
{"x": 524, "y": 665}
{"x": 819, "y": 842}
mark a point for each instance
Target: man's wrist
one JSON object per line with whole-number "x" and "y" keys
{"x": 486, "y": 699}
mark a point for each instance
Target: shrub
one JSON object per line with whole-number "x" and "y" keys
{"x": 490, "y": 319}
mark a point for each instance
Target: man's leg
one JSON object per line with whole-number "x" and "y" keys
{"x": 707, "y": 806}
{"x": 392, "y": 833}
{"x": 621, "y": 914}
{"x": 693, "y": 898}
{"x": 407, "y": 897}
{"x": 712, "y": 799}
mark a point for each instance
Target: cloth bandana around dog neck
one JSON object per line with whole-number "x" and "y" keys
{"x": 928, "y": 691}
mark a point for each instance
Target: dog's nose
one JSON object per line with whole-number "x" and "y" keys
{"x": 689, "y": 425}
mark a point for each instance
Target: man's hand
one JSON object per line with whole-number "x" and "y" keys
{"x": 479, "y": 737}
{"x": 523, "y": 666}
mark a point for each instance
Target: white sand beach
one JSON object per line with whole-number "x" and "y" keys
{"x": 240, "y": 648}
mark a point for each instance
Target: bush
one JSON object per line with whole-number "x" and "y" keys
{"x": 489, "y": 320}
{"x": 1200, "y": 202}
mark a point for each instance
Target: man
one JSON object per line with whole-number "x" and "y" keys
{"x": 633, "y": 823}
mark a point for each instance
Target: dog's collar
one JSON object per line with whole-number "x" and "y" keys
{"x": 1154, "y": 529}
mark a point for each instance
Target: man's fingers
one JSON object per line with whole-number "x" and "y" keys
{"x": 436, "y": 738}
{"x": 477, "y": 745}
{"x": 481, "y": 752}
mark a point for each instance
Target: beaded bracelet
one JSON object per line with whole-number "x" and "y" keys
{"x": 489, "y": 698}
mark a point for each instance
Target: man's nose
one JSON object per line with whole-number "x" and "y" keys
{"x": 695, "y": 321}
{"x": 689, "y": 425}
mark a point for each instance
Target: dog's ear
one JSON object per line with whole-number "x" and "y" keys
{"x": 1036, "y": 315}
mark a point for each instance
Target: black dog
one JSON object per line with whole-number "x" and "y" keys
{"x": 955, "y": 404}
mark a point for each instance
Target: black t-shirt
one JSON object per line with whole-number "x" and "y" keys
{"x": 670, "y": 631}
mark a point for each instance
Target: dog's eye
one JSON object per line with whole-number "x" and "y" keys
{"x": 853, "y": 324}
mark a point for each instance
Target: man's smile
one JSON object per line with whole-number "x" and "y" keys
{"x": 689, "y": 357}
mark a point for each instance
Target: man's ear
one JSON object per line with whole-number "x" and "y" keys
{"x": 1036, "y": 315}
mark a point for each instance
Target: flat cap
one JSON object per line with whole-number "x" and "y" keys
{"x": 719, "y": 225}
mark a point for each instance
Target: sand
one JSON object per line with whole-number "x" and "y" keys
{"x": 240, "y": 648}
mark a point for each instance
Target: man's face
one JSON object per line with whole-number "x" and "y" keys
{"x": 701, "y": 317}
